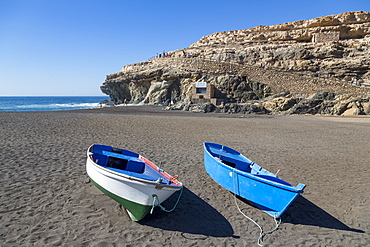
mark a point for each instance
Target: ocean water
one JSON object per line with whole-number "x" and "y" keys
{"x": 49, "y": 103}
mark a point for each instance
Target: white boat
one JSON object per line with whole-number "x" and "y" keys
{"x": 130, "y": 179}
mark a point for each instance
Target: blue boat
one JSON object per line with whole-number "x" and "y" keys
{"x": 248, "y": 180}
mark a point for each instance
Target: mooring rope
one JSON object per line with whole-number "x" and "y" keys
{"x": 163, "y": 208}
{"x": 262, "y": 233}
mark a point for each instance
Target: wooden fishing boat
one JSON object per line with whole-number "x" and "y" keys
{"x": 130, "y": 179}
{"x": 248, "y": 180}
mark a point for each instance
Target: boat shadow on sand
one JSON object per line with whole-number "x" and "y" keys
{"x": 196, "y": 219}
{"x": 193, "y": 217}
{"x": 304, "y": 212}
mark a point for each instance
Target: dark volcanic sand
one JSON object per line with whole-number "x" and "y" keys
{"x": 46, "y": 199}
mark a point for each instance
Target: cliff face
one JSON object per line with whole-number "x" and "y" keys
{"x": 172, "y": 78}
{"x": 302, "y": 57}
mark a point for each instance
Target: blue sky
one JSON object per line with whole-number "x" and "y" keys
{"x": 67, "y": 47}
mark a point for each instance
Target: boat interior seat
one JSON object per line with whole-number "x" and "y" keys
{"x": 134, "y": 166}
{"x": 117, "y": 163}
{"x": 237, "y": 164}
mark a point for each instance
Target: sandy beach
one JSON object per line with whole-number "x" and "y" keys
{"x": 47, "y": 199}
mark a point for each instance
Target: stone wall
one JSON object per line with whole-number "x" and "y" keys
{"x": 326, "y": 37}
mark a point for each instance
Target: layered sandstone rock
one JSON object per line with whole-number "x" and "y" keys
{"x": 350, "y": 25}
{"x": 325, "y": 54}
{"x": 336, "y": 45}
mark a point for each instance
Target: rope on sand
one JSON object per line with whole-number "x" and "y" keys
{"x": 159, "y": 205}
{"x": 262, "y": 233}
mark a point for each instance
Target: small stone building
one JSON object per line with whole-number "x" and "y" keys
{"x": 203, "y": 92}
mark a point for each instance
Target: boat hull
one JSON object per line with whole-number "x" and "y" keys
{"x": 265, "y": 191}
{"x": 134, "y": 194}
{"x": 136, "y": 211}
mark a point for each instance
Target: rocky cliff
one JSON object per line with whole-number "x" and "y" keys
{"x": 291, "y": 62}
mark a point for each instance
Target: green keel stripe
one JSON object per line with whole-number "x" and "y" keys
{"x": 137, "y": 211}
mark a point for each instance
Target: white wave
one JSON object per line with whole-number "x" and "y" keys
{"x": 49, "y": 103}
{"x": 56, "y": 107}
{"x": 84, "y": 105}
